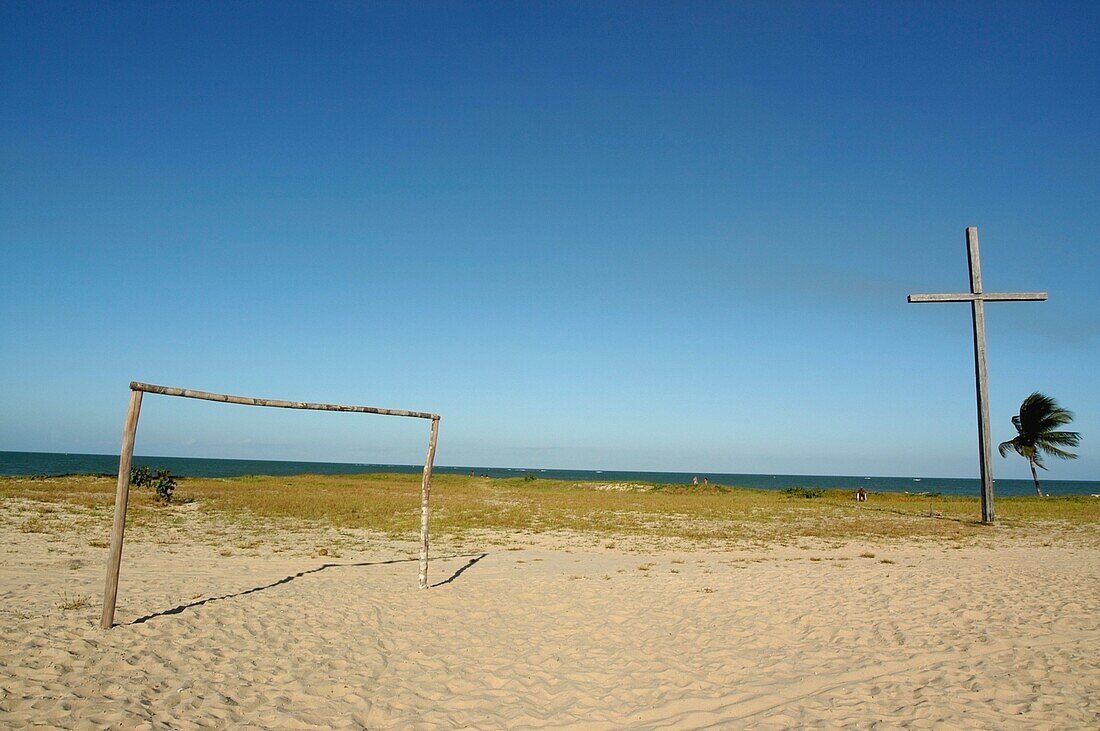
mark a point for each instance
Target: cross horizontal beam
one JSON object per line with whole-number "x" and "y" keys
{"x": 246, "y": 401}
{"x": 981, "y": 296}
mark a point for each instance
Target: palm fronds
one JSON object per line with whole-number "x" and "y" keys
{"x": 1037, "y": 432}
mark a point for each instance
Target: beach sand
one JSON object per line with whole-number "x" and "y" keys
{"x": 226, "y": 634}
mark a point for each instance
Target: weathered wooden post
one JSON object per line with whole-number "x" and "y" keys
{"x": 425, "y": 493}
{"x": 977, "y": 299}
{"x": 122, "y": 494}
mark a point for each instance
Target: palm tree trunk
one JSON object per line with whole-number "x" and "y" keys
{"x": 1035, "y": 476}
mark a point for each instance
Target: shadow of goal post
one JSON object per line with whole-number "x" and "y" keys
{"x": 126, "y": 457}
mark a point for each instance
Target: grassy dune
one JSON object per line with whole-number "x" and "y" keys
{"x": 705, "y": 516}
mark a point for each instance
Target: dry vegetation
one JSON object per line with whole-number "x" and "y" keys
{"x": 467, "y": 506}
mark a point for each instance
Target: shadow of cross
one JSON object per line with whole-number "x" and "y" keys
{"x": 977, "y": 299}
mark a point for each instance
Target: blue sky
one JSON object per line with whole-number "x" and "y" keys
{"x": 591, "y": 235}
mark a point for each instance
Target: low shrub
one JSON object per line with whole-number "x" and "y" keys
{"x": 161, "y": 481}
{"x": 806, "y": 492}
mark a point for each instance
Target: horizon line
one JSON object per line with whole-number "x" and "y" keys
{"x": 530, "y": 469}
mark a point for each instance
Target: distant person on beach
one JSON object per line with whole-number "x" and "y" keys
{"x": 861, "y": 495}
{"x": 706, "y": 480}
{"x": 695, "y": 480}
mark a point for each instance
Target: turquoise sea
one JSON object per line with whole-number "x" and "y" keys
{"x": 50, "y": 463}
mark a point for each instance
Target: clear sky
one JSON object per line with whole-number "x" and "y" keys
{"x": 591, "y": 235}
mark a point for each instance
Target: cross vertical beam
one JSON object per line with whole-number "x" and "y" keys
{"x": 977, "y": 298}
{"x": 981, "y": 375}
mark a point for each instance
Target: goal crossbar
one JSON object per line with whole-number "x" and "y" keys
{"x": 275, "y": 403}
{"x": 126, "y": 455}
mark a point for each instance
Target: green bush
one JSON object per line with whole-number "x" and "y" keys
{"x": 161, "y": 481}
{"x": 806, "y": 492}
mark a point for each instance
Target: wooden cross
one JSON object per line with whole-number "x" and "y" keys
{"x": 977, "y": 299}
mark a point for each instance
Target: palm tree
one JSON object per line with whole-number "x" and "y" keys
{"x": 1035, "y": 426}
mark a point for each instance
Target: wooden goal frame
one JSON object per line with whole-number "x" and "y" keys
{"x": 126, "y": 456}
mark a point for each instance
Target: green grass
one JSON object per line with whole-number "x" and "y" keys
{"x": 461, "y": 505}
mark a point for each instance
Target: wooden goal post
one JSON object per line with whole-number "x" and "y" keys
{"x": 126, "y": 456}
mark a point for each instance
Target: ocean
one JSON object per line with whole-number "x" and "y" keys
{"x": 50, "y": 463}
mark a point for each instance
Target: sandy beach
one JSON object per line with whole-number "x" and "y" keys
{"x": 544, "y": 631}
{"x": 731, "y": 358}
